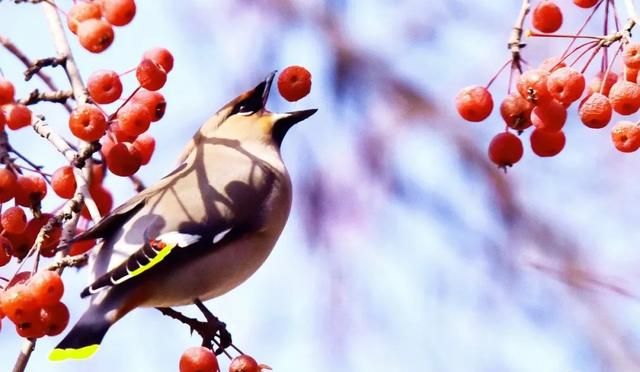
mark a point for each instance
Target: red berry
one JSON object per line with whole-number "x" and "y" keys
{"x": 103, "y": 199}
{"x": 532, "y": 85}
{"x": 198, "y": 359}
{"x": 55, "y": 318}
{"x": 244, "y": 363}
{"x": 14, "y": 220}
{"x": 505, "y": 149}
{"x": 50, "y": 243}
{"x": 516, "y": 112}
{"x": 153, "y": 101}
{"x": 625, "y": 97}
{"x": 626, "y": 136}
{"x": 631, "y": 55}
{"x": 17, "y": 115}
{"x": 145, "y": 144}
{"x": 631, "y": 74}
{"x": 566, "y": 84}
{"x": 118, "y": 12}
{"x": 474, "y": 103}
{"x": 550, "y": 116}
{"x": 6, "y": 251}
{"x": 81, "y": 11}
{"x": 161, "y": 56}
{"x": 47, "y": 287}
{"x": 63, "y": 182}
{"x": 88, "y": 123}
{"x": 585, "y": 3}
{"x": 547, "y": 16}
{"x": 150, "y": 75}
{"x": 30, "y": 189}
{"x": 19, "y": 304}
{"x": 104, "y": 86}
{"x": 596, "y": 85}
{"x": 134, "y": 119}
{"x": 8, "y": 185}
{"x": 32, "y": 328}
{"x": 595, "y": 111}
{"x": 7, "y": 92}
{"x": 121, "y": 135}
{"x": 80, "y": 247}
{"x": 123, "y": 159}
{"x": 547, "y": 144}
{"x": 95, "y": 35}
{"x": 294, "y": 83}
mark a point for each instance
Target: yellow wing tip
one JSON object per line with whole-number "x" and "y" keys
{"x": 64, "y": 354}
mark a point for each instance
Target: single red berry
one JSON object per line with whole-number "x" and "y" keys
{"x": 103, "y": 199}
{"x": 118, "y": 12}
{"x": 120, "y": 135}
{"x": 31, "y": 189}
{"x": 626, "y": 136}
{"x": 17, "y": 115}
{"x": 88, "y": 123}
{"x": 19, "y": 304}
{"x": 47, "y": 287}
{"x": 150, "y": 75}
{"x": 14, "y": 220}
{"x": 123, "y": 159}
{"x": 32, "y": 328}
{"x": 153, "y": 101}
{"x": 595, "y": 111}
{"x": 7, "y": 91}
{"x": 552, "y": 63}
{"x": 546, "y": 144}
{"x": 145, "y": 144}
{"x": 51, "y": 240}
{"x": 104, "y": 86}
{"x": 596, "y": 84}
{"x": 474, "y": 103}
{"x": 8, "y": 185}
{"x": 97, "y": 173}
{"x": 95, "y": 35}
{"x": 198, "y": 359}
{"x": 55, "y": 318}
{"x": 547, "y": 16}
{"x": 516, "y": 112}
{"x": 63, "y": 182}
{"x": 134, "y": 119}
{"x": 550, "y": 116}
{"x": 631, "y": 55}
{"x": 585, "y": 3}
{"x": 532, "y": 85}
{"x": 20, "y": 244}
{"x": 625, "y": 97}
{"x": 244, "y": 363}
{"x": 6, "y": 251}
{"x": 82, "y": 246}
{"x": 294, "y": 83}
{"x": 566, "y": 85}
{"x": 161, "y": 56}
{"x": 505, "y": 149}
{"x": 81, "y": 11}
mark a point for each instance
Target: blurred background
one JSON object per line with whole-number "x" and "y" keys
{"x": 406, "y": 250}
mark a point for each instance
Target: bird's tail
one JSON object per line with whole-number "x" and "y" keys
{"x": 84, "y": 338}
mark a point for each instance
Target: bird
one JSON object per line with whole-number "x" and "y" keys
{"x": 201, "y": 230}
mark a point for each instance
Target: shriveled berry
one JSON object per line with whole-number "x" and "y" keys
{"x": 532, "y": 85}
{"x": 95, "y": 35}
{"x": 198, "y": 359}
{"x": 547, "y": 16}
{"x": 63, "y": 182}
{"x": 546, "y": 144}
{"x": 31, "y": 189}
{"x": 150, "y": 75}
{"x": 244, "y": 363}
{"x": 17, "y": 115}
{"x": 585, "y": 3}
{"x": 566, "y": 84}
{"x": 81, "y": 11}
{"x": 7, "y": 91}
{"x": 631, "y": 55}
{"x": 118, "y": 12}
{"x": 123, "y": 159}
{"x": 505, "y": 149}
{"x": 626, "y": 136}
{"x": 134, "y": 119}
{"x": 474, "y": 103}
{"x": 516, "y": 112}
{"x": 595, "y": 111}
{"x": 625, "y": 97}
{"x": 145, "y": 144}
{"x": 104, "y": 86}
{"x": 161, "y": 56}
{"x": 14, "y": 220}
{"x": 153, "y": 101}
{"x": 47, "y": 287}
{"x": 550, "y": 116}
{"x": 294, "y": 83}
{"x": 8, "y": 185}
{"x": 596, "y": 84}
{"x": 88, "y": 123}
{"x": 55, "y": 318}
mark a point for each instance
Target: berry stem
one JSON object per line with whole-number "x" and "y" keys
{"x": 563, "y": 36}
{"x": 593, "y": 12}
{"x": 495, "y": 76}
{"x": 608, "y": 70}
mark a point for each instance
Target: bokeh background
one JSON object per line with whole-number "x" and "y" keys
{"x": 406, "y": 249}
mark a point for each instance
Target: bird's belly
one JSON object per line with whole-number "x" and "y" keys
{"x": 214, "y": 274}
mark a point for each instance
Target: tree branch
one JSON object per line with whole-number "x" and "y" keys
{"x": 58, "y": 96}
{"x": 515, "y": 40}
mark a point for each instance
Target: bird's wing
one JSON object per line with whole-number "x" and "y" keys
{"x": 114, "y": 220}
{"x": 149, "y": 256}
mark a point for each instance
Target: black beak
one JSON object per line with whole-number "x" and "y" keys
{"x": 257, "y": 100}
{"x": 289, "y": 119}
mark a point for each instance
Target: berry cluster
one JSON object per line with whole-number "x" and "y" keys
{"x": 93, "y": 21}
{"x": 201, "y": 359}
{"x": 545, "y": 93}
{"x": 32, "y": 304}
{"x": 12, "y": 115}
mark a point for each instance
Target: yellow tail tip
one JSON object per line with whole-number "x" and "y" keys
{"x": 64, "y": 354}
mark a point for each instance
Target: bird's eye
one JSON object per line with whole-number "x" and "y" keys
{"x": 247, "y": 106}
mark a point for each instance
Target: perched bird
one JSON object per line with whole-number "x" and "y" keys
{"x": 198, "y": 232}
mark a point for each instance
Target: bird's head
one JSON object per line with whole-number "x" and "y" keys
{"x": 246, "y": 117}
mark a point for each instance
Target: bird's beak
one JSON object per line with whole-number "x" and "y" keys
{"x": 264, "y": 88}
{"x": 289, "y": 119}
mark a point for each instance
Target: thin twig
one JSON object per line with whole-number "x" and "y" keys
{"x": 515, "y": 40}
{"x": 58, "y": 96}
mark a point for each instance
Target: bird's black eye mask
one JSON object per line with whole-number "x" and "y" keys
{"x": 249, "y": 105}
